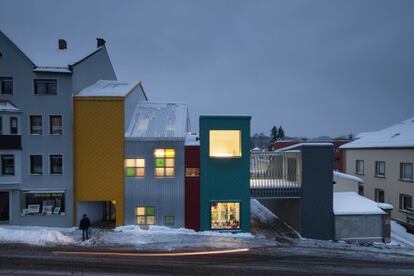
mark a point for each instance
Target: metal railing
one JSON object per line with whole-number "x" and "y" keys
{"x": 275, "y": 174}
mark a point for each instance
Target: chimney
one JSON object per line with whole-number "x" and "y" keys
{"x": 100, "y": 42}
{"x": 62, "y": 44}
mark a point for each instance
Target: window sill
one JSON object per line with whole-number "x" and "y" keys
{"x": 43, "y": 215}
{"x": 357, "y": 173}
{"x": 56, "y": 174}
{"x": 35, "y": 134}
{"x": 36, "y": 174}
{"x": 406, "y": 180}
{"x": 405, "y": 211}
{"x": 51, "y": 134}
{"x": 379, "y": 176}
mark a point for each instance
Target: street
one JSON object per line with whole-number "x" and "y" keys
{"x": 29, "y": 260}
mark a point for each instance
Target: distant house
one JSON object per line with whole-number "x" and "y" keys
{"x": 384, "y": 161}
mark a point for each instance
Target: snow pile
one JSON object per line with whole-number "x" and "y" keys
{"x": 34, "y": 236}
{"x": 400, "y": 236}
{"x": 260, "y": 212}
{"x": 350, "y": 203}
{"x": 385, "y": 206}
{"x": 339, "y": 175}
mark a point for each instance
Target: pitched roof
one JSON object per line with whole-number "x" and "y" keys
{"x": 158, "y": 120}
{"x": 400, "y": 135}
{"x": 108, "y": 88}
{"x": 7, "y": 106}
{"x": 47, "y": 57}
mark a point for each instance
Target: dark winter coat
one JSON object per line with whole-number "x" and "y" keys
{"x": 84, "y": 223}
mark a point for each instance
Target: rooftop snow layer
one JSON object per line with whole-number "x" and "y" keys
{"x": 108, "y": 88}
{"x": 192, "y": 139}
{"x": 400, "y": 135}
{"x": 8, "y": 106}
{"x": 351, "y": 203}
{"x": 158, "y": 120}
{"x": 46, "y": 55}
{"x": 347, "y": 177}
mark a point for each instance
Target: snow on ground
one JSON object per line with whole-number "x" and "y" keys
{"x": 400, "y": 236}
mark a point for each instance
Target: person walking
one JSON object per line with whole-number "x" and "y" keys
{"x": 84, "y": 225}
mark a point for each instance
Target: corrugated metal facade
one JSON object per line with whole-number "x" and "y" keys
{"x": 165, "y": 194}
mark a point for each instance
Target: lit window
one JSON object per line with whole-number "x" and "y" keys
{"x": 164, "y": 162}
{"x": 169, "y": 220}
{"x": 225, "y": 215}
{"x": 225, "y": 143}
{"x": 145, "y": 215}
{"x": 43, "y": 203}
{"x": 135, "y": 167}
{"x": 192, "y": 172}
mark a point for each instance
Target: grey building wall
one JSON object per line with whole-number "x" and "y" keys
{"x": 130, "y": 104}
{"x": 14, "y": 64}
{"x": 165, "y": 194}
{"x": 359, "y": 227}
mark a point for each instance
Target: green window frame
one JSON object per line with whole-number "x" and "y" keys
{"x": 135, "y": 167}
{"x": 164, "y": 162}
{"x": 145, "y": 215}
{"x": 169, "y": 220}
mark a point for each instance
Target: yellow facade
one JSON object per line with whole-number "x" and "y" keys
{"x": 99, "y": 151}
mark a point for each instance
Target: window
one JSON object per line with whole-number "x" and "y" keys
{"x": 379, "y": 195}
{"x": 380, "y": 168}
{"x": 164, "y": 162}
{"x": 1, "y": 125}
{"x": 145, "y": 215}
{"x": 43, "y": 203}
{"x": 135, "y": 167}
{"x": 169, "y": 220}
{"x": 36, "y": 125}
{"x": 192, "y": 172}
{"x": 291, "y": 169}
{"x": 6, "y": 86}
{"x": 225, "y": 143}
{"x": 406, "y": 202}
{"x": 406, "y": 171}
{"x": 36, "y": 164}
{"x": 225, "y": 215}
{"x": 7, "y": 164}
{"x": 55, "y": 124}
{"x": 13, "y": 125}
{"x": 361, "y": 189}
{"x": 359, "y": 168}
{"x": 56, "y": 163}
{"x": 45, "y": 87}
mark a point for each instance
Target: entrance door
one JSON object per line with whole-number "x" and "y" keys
{"x": 4, "y": 206}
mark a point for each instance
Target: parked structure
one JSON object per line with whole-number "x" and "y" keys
{"x": 36, "y": 147}
{"x": 384, "y": 161}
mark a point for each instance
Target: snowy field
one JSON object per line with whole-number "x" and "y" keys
{"x": 160, "y": 238}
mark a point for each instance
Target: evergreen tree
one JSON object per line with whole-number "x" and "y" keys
{"x": 281, "y": 133}
{"x": 274, "y": 134}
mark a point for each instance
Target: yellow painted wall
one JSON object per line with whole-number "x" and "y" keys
{"x": 99, "y": 151}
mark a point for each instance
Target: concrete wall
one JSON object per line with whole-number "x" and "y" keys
{"x": 391, "y": 184}
{"x": 345, "y": 185}
{"x": 287, "y": 209}
{"x": 165, "y": 194}
{"x": 359, "y": 227}
{"x": 94, "y": 210}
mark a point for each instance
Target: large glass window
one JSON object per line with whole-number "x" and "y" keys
{"x": 45, "y": 87}
{"x": 55, "y": 123}
{"x": 164, "y": 162}
{"x": 135, "y": 167}
{"x": 36, "y": 164}
{"x": 406, "y": 202}
{"x": 145, "y": 215}
{"x": 380, "y": 168}
{"x": 406, "y": 171}
{"x": 225, "y": 143}
{"x": 359, "y": 168}
{"x": 6, "y": 85}
{"x": 7, "y": 164}
{"x": 225, "y": 215}
{"x": 56, "y": 164}
{"x": 43, "y": 203}
{"x": 36, "y": 125}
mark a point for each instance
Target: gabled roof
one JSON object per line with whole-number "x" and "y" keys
{"x": 152, "y": 120}
{"x": 48, "y": 58}
{"x": 400, "y": 135}
{"x": 7, "y": 106}
{"x": 108, "y": 88}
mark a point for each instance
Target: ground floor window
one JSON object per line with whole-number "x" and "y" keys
{"x": 169, "y": 220}
{"x": 225, "y": 215}
{"x": 145, "y": 215}
{"x": 43, "y": 203}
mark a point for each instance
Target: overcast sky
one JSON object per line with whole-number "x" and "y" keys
{"x": 314, "y": 67}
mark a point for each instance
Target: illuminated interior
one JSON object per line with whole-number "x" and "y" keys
{"x": 164, "y": 162}
{"x": 225, "y": 215}
{"x": 145, "y": 215}
{"x": 135, "y": 167}
{"x": 225, "y": 143}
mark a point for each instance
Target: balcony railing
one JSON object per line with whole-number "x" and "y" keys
{"x": 275, "y": 173}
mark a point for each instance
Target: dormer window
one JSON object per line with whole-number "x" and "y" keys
{"x": 45, "y": 87}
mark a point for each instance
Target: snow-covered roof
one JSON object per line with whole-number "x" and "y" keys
{"x": 108, "y": 88}
{"x": 7, "y": 106}
{"x": 192, "y": 139}
{"x": 46, "y": 56}
{"x": 400, "y": 135}
{"x": 347, "y": 177}
{"x": 158, "y": 120}
{"x": 351, "y": 203}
